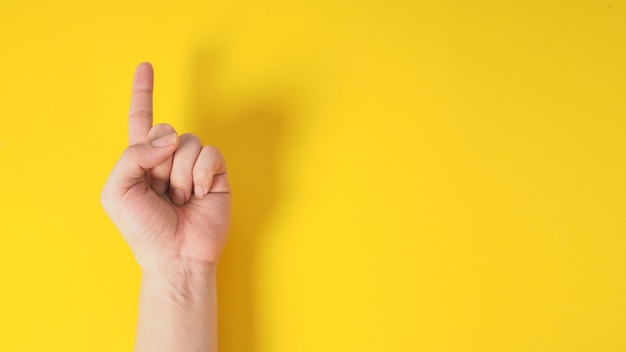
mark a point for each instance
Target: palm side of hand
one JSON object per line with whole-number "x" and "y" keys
{"x": 188, "y": 223}
{"x": 158, "y": 230}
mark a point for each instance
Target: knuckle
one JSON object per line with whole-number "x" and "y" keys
{"x": 140, "y": 113}
{"x": 191, "y": 140}
{"x": 211, "y": 150}
{"x": 213, "y": 154}
{"x": 162, "y": 128}
{"x": 131, "y": 152}
{"x": 134, "y": 154}
{"x": 216, "y": 158}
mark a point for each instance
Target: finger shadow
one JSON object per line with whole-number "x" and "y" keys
{"x": 248, "y": 130}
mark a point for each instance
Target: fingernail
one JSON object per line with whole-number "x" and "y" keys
{"x": 165, "y": 141}
{"x": 159, "y": 186}
{"x": 198, "y": 191}
{"x": 178, "y": 197}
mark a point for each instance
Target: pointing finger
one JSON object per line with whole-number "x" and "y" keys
{"x": 140, "y": 113}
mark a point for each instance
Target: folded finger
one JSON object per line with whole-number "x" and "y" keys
{"x": 209, "y": 173}
{"x": 181, "y": 177}
{"x": 160, "y": 174}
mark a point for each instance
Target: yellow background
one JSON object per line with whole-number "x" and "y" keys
{"x": 408, "y": 175}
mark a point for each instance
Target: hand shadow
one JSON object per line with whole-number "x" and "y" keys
{"x": 248, "y": 132}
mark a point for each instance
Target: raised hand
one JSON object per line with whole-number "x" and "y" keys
{"x": 168, "y": 195}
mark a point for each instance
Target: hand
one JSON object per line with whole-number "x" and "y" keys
{"x": 168, "y": 195}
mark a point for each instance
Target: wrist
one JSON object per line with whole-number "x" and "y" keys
{"x": 181, "y": 267}
{"x": 179, "y": 300}
{"x": 180, "y": 283}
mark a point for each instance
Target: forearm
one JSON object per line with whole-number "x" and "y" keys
{"x": 177, "y": 312}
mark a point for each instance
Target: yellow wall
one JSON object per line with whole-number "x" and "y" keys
{"x": 408, "y": 175}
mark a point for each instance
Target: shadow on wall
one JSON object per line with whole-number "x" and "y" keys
{"x": 248, "y": 131}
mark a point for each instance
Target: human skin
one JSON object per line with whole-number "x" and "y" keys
{"x": 169, "y": 197}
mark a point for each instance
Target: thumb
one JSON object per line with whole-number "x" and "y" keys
{"x": 138, "y": 158}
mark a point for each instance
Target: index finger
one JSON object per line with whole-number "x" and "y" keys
{"x": 140, "y": 113}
